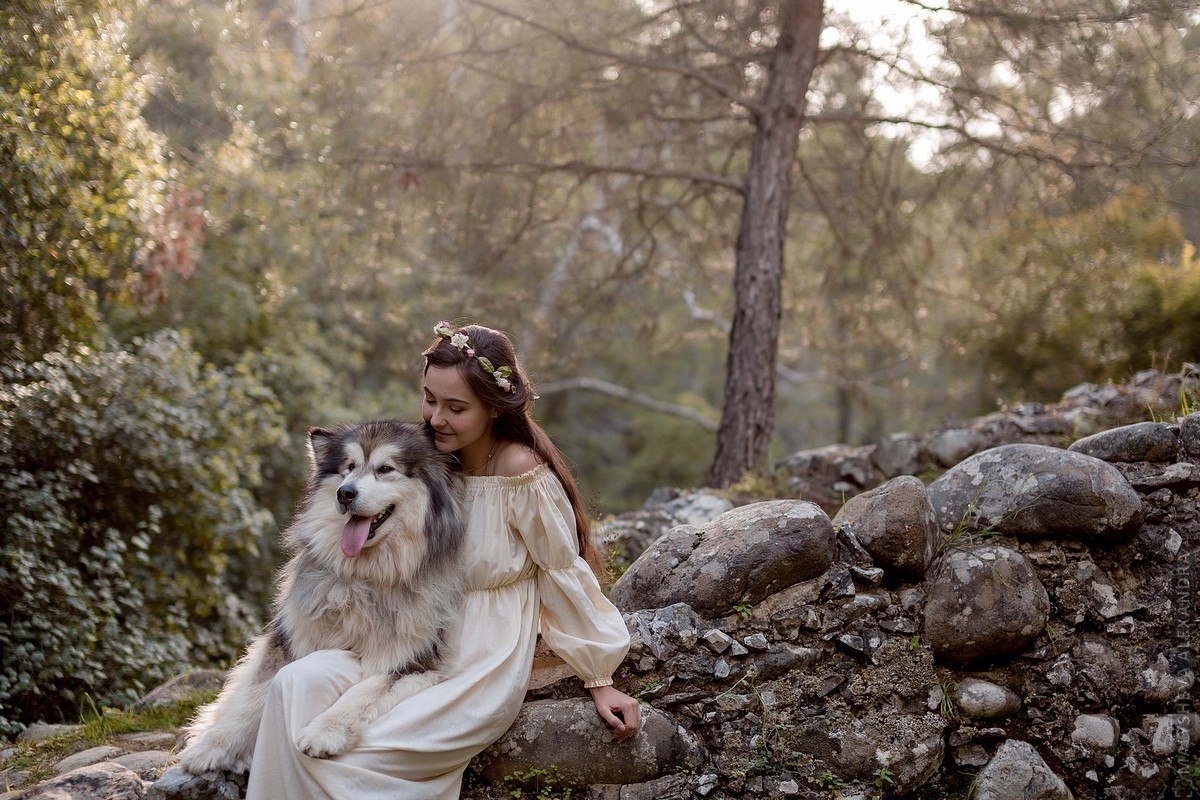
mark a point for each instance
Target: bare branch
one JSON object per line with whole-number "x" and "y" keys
{"x": 989, "y": 144}
{"x": 1005, "y": 14}
{"x": 576, "y": 167}
{"x": 644, "y": 400}
{"x": 728, "y": 92}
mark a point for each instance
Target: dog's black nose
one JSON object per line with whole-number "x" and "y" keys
{"x": 346, "y": 495}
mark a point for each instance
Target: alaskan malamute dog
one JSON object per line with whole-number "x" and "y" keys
{"x": 375, "y": 570}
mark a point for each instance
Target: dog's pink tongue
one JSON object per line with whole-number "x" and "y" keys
{"x": 355, "y": 534}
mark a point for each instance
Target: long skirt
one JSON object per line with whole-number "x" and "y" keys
{"x": 420, "y": 749}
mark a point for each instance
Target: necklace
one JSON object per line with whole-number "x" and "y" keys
{"x": 486, "y": 461}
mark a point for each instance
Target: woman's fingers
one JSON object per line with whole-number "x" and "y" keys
{"x": 631, "y": 713}
{"x": 612, "y": 719}
{"x": 637, "y": 715}
{"x": 622, "y": 713}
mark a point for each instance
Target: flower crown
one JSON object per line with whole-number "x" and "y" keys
{"x": 460, "y": 340}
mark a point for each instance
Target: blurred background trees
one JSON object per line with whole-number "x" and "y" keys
{"x": 224, "y": 222}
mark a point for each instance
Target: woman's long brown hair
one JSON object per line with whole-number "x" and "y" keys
{"x": 515, "y": 422}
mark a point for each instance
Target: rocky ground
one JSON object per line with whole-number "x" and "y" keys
{"x": 1023, "y": 627}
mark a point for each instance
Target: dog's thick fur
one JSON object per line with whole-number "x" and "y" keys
{"x": 391, "y": 603}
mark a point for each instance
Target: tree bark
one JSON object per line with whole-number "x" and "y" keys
{"x": 748, "y": 416}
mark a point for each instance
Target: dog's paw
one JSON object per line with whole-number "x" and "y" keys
{"x": 323, "y": 738}
{"x": 209, "y": 755}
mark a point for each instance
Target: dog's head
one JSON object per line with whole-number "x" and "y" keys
{"x": 382, "y": 480}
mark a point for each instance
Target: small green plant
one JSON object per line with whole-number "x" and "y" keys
{"x": 643, "y": 685}
{"x": 744, "y": 610}
{"x": 1187, "y": 401}
{"x": 883, "y": 778}
{"x": 947, "y": 707}
{"x": 1052, "y": 637}
{"x": 914, "y": 643}
{"x": 1186, "y": 776}
{"x": 617, "y": 564}
{"x": 99, "y": 724}
{"x": 964, "y": 535}
{"x": 537, "y": 784}
{"x": 758, "y": 485}
{"x": 827, "y": 780}
{"x": 930, "y": 473}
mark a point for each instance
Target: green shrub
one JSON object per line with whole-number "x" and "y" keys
{"x": 80, "y": 172}
{"x": 129, "y": 532}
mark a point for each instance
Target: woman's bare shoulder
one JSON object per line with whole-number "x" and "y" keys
{"x": 515, "y": 459}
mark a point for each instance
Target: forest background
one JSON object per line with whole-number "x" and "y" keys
{"x": 224, "y": 222}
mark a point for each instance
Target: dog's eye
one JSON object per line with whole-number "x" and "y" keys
{"x": 350, "y": 466}
{"x": 385, "y": 469}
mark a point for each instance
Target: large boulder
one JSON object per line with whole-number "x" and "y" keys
{"x": 93, "y": 782}
{"x": 898, "y": 454}
{"x": 175, "y": 784}
{"x": 979, "y": 699}
{"x": 1189, "y": 436}
{"x": 911, "y": 747}
{"x": 628, "y": 535}
{"x": 1142, "y": 441}
{"x": 982, "y": 602}
{"x": 951, "y": 446}
{"x": 1018, "y": 772}
{"x": 570, "y": 737}
{"x": 1096, "y": 732}
{"x": 895, "y": 524}
{"x": 742, "y": 556}
{"x": 1033, "y": 490}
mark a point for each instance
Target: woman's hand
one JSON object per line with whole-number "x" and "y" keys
{"x": 620, "y": 711}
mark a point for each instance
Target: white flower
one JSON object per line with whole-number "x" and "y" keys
{"x": 503, "y": 383}
{"x": 438, "y": 328}
{"x": 459, "y": 340}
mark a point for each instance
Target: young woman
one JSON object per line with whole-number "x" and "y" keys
{"x": 532, "y": 565}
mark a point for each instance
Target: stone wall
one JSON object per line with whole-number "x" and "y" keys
{"x": 1022, "y": 627}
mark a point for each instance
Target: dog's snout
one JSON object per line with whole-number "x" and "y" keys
{"x": 346, "y": 494}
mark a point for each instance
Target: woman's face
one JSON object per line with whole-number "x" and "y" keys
{"x": 456, "y": 414}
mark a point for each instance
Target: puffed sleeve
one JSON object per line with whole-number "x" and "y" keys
{"x": 578, "y": 621}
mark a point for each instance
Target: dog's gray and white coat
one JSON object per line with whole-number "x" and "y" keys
{"x": 385, "y": 582}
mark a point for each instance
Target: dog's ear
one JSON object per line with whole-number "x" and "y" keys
{"x": 321, "y": 443}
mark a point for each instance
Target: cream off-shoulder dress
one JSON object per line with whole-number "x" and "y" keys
{"x": 524, "y": 568}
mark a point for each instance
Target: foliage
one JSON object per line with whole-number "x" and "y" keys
{"x": 80, "y": 174}
{"x": 828, "y": 779}
{"x": 417, "y": 160}
{"x": 101, "y": 724}
{"x": 536, "y": 783}
{"x": 1185, "y": 776}
{"x": 130, "y": 535}
{"x": 883, "y": 778}
{"x": 1097, "y": 270}
{"x": 947, "y": 696}
{"x": 1163, "y": 315}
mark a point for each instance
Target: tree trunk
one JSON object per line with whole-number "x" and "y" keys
{"x": 748, "y": 415}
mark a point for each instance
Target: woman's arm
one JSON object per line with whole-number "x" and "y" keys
{"x": 622, "y": 713}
